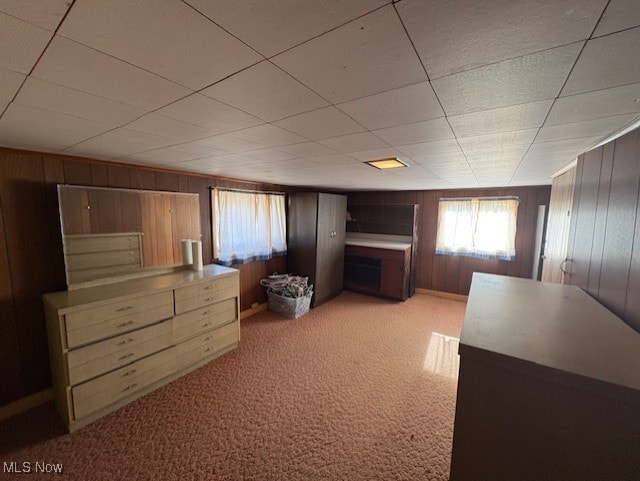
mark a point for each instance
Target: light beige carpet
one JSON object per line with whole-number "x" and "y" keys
{"x": 358, "y": 389}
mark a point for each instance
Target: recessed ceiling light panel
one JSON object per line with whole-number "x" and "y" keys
{"x": 391, "y": 163}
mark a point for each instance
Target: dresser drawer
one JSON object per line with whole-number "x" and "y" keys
{"x": 110, "y": 388}
{"x": 95, "y": 359}
{"x": 118, "y": 317}
{"x": 205, "y": 293}
{"x": 207, "y": 344}
{"x": 209, "y": 317}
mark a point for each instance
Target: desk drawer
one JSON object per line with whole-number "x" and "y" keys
{"x": 205, "y": 293}
{"x": 95, "y": 359}
{"x": 110, "y": 388}
{"x": 209, "y": 317}
{"x": 118, "y": 317}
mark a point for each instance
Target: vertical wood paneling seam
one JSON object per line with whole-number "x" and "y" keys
{"x": 11, "y": 288}
{"x": 575, "y": 208}
{"x": 606, "y": 216}
{"x": 595, "y": 218}
{"x": 635, "y": 226}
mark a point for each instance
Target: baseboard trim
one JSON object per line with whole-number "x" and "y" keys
{"x": 26, "y": 403}
{"x": 446, "y": 295}
{"x": 254, "y": 310}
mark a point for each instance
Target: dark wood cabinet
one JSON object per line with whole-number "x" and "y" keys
{"x": 316, "y": 241}
{"x": 378, "y": 271}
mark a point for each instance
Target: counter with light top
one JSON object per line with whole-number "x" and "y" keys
{"x": 549, "y": 386}
{"x": 378, "y": 264}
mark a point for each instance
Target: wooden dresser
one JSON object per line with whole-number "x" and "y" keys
{"x": 111, "y": 344}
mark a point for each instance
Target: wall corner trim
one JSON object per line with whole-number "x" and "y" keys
{"x": 25, "y": 404}
{"x": 446, "y": 295}
{"x": 254, "y": 310}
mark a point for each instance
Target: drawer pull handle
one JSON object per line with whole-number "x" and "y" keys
{"x": 207, "y": 288}
{"x": 207, "y": 349}
{"x": 208, "y": 299}
{"x": 122, "y": 309}
{"x": 125, "y": 324}
{"x": 129, "y": 373}
{"x": 208, "y": 338}
{"x": 130, "y": 386}
{"x": 206, "y": 324}
{"x": 126, "y": 356}
{"x": 125, "y": 341}
{"x": 205, "y": 313}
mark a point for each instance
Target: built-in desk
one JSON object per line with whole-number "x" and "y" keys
{"x": 378, "y": 264}
{"x": 549, "y": 386}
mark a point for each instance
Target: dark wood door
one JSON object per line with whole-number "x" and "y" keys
{"x": 325, "y": 251}
{"x": 337, "y": 247}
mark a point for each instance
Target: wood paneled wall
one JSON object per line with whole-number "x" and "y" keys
{"x": 453, "y": 273}
{"x": 31, "y": 260}
{"x": 604, "y": 240}
{"x": 558, "y": 226}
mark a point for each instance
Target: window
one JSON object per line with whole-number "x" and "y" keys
{"x": 478, "y": 227}
{"x": 247, "y": 226}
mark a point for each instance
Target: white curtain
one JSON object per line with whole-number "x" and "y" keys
{"x": 478, "y": 227}
{"x": 247, "y": 226}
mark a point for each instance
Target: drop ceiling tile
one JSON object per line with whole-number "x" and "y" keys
{"x": 512, "y": 153}
{"x": 76, "y": 66}
{"x": 21, "y": 45}
{"x": 593, "y": 105}
{"x": 271, "y": 27}
{"x": 228, "y": 160}
{"x": 504, "y": 139}
{"x": 285, "y": 165}
{"x": 587, "y": 128}
{"x": 30, "y": 127}
{"x": 425, "y": 149}
{"x": 45, "y": 14}
{"x": 230, "y": 143}
{"x": 167, "y": 127}
{"x": 119, "y": 143}
{"x": 354, "y": 142}
{"x": 428, "y": 131}
{"x": 269, "y": 135}
{"x": 568, "y": 146}
{"x": 404, "y": 105}
{"x": 167, "y": 38}
{"x": 504, "y": 119}
{"x": 211, "y": 114}
{"x": 320, "y": 124}
{"x": 10, "y": 83}
{"x": 267, "y": 92}
{"x": 455, "y": 36}
{"x": 375, "y": 154}
{"x": 270, "y": 155}
{"x": 538, "y": 76}
{"x": 167, "y": 155}
{"x": 619, "y": 15}
{"x": 333, "y": 160}
{"x": 307, "y": 149}
{"x": 56, "y": 98}
{"x": 369, "y": 55}
{"x": 606, "y": 62}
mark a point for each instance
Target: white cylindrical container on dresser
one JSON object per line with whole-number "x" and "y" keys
{"x": 187, "y": 252}
{"x": 197, "y": 255}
